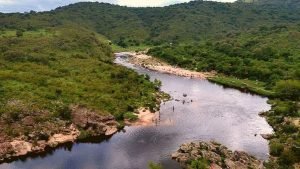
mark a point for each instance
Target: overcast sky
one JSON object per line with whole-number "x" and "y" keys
{"x": 43, "y": 5}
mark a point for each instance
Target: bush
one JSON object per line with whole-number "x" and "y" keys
{"x": 19, "y": 33}
{"x": 199, "y": 164}
{"x": 154, "y": 166}
{"x": 289, "y": 128}
{"x": 288, "y": 89}
{"x": 276, "y": 148}
{"x": 84, "y": 135}
{"x": 287, "y": 157}
{"x": 286, "y": 108}
{"x": 130, "y": 116}
{"x": 14, "y": 56}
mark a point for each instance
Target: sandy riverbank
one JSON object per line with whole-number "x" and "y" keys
{"x": 149, "y": 62}
{"x": 145, "y": 118}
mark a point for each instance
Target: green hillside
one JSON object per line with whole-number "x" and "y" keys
{"x": 45, "y": 71}
{"x": 269, "y": 54}
{"x": 193, "y": 21}
{"x": 50, "y": 60}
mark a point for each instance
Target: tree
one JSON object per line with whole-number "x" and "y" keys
{"x": 19, "y": 33}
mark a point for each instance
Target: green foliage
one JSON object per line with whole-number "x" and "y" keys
{"x": 251, "y": 55}
{"x": 130, "y": 116}
{"x": 287, "y": 158}
{"x": 199, "y": 164}
{"x": 84, "y": 134}
{"x": 48, "y": 61}
{"x": 193, "y": 21}
{"x": 152, "y": 165}
{"x": 276, "y": 148}
{"x": 243, "y": 84}
{"x": 19, "y": 33}
{"x": 288, "y": 89}
{"x": 286, "y": 108}
{"x": 69, "y": 66}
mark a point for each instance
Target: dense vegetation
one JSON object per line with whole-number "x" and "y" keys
{"x": 43, "y": 72}
{"x": 267, "y": 55}
{"x": 50, "y": 60}
{"x": 265, "y": 61}
{"x": 187, "y": 22}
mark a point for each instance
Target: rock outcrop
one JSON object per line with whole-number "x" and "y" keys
{"x": 94, "y": 123}
{"x": 23, "y": 145}
{"x": 218, "y": 155}
{"x": 83, "y": 120}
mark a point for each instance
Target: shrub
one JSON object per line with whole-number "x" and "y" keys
{"x": 19, "y": 33}
{"x": 276, "y": 148}
{"x": 287, "y": 157}
{"x": 14, "y": 56}
{"x": 286, "y": 108}
{"x": 84, "y": 135}
{"x": 155, "y": 166}
{"x": 289, "y": 128}
{"x": 130, "y": 116}
{"x": 199, "y": 164}
{"x": 288, "y": 89}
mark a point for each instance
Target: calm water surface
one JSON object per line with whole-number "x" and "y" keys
{"x": 215, "y": 113}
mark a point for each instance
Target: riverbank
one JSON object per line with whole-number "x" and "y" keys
{"x": 84, "y": 123}
{"x": 283, "y": 116}
{"x": 243, "y": 85}
{"x": 151, "y": 63}
{"x": 148, "y": 62}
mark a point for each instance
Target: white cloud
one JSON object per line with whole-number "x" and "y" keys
{"x": 7, "y": 2}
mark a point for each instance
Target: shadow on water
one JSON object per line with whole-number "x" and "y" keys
{"x": 51, "y": 150}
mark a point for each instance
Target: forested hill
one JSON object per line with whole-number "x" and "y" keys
{"x": 193, "y": 21}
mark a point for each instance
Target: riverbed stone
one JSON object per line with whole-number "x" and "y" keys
{"x": 217, "y": 154}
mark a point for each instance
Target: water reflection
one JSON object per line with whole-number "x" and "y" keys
{"x": 208, "y": 112}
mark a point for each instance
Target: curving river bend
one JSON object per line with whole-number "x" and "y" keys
{"x": 216, "y": 113}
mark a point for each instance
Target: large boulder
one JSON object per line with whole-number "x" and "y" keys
{"x": 95, "y": 123}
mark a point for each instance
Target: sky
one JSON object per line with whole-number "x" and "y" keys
{"x": 7, "y": 6}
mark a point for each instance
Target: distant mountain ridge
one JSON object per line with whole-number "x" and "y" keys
{"x": 191, "y": 21}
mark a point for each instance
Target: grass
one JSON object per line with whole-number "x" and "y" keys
{"x": 117, "y": 48}
{"x": 46, "y": 71}
{"x": 29, "y": 34}
{"x": 256, "y": 87}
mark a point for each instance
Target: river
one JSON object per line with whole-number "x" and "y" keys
{"x": 208, "y": 112}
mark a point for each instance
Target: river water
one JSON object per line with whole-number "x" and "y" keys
{"x": 208, "y": 112}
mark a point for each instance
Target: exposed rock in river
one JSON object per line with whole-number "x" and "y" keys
{"x": 218, "y": 156}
